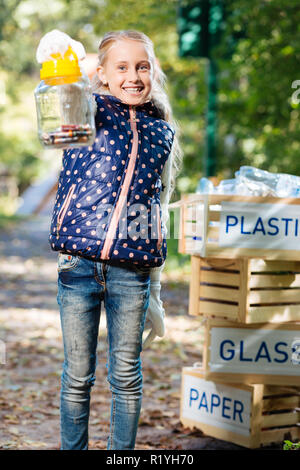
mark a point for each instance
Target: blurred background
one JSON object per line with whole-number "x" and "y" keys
{"x": 233, "y": 74}
{"x": 254, "y": 110}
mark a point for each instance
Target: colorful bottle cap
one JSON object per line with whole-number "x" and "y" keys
{"x": 58, "y": 67}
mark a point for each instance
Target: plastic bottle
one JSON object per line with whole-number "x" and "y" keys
{"x": 226, "y": 187}
{"x": 255, "y": 182}
{"x": 64, "y": 104}
{"x": 263, "y": 183}
{"x": 287, "y": 185}
{"x": 205, "y": 186}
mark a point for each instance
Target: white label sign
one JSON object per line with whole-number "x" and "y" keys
{"x": 250, "y": 225}
{"x": 255, "y": 351}
{"x": 216, "y": 404}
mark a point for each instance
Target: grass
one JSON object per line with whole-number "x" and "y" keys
{"x": 177, "y": 265}
{"x": 288, "y": 445}
{"x": 175, "y": 260}
{"x": 8, "y": 218}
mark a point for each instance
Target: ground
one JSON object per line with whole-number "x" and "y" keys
{"x": 30, "y": 377}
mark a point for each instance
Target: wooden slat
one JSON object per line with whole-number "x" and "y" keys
{"x": 256, "y": 414}
{"x": 269, "y": 280}
{"x": 278, "y": 435}
{"x": 280, "y": 419}
{"x": 193, "y": 198}
{"x": 182, "y": 238}
{"x": 214, "y": 214}
{"x": 280, "y": 403}
{"x": 194, "y": 213}
{"x": 218, "y": 263}
{"x": 190, "y": 229}
{"x": 244, "y": 290}
{"x": 211, "y": 309}
{"x": 226, "y": 279}
{"x": 221, "y": 324}
{"x": 191, "y": 245}
{"x": 219, "y": 198}
{"x": 214, "y": 250}
{"x": 219, "y": 293}
{"x": 274, "y": 296}
{"x": 194, "y": 286}
{"x": 273, "y": 314}
{"x": 212, "y": 233}
{"x": 274, "y": 390}
{"x": 190, "y": 213}
{"x": 262, "y": 265}
{"x": 207, "y": 208}
{"x": 193, "y": 229}
{"x": 218, "y": 273}
{"x": 250, "y": 378}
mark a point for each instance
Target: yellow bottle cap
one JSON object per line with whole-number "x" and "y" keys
{"x": 59, "y": 67}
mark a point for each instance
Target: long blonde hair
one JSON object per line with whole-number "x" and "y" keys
{"x": 158, "y": 95}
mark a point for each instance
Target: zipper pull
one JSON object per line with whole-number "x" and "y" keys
{"x": 132, "y": 113}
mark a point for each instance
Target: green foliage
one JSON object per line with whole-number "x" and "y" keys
{"x": 288, "y": 445}
{"x": 8, "y": 220}
{"x": 255, "y": 112}
{"x": 20, "y": 156}
{"x": 255, "y": 87}
{"x": 24, "y": 22}
{"x": 200, "y": 25}
{"x": 176, "y": 262}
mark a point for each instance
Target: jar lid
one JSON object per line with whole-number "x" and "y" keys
{"x": 59, "y": 67}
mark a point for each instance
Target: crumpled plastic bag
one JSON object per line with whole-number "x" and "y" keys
{"x": 56, "y": 42}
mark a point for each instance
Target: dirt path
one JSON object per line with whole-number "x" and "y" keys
{"x": 30, "y": 377}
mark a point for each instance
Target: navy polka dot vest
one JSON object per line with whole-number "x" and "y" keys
{"x": 107, "y": 206}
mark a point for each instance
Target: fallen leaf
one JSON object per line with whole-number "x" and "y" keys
{"x": 35, "y": 443}
{"x": 13, "y": 430}
{"x": 11, "y": 419}
{"x": 8, "y": 445}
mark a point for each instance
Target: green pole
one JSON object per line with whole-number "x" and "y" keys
{"x": 210, "y": 163}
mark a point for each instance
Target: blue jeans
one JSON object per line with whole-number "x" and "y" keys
{"x": 82, "y": 286}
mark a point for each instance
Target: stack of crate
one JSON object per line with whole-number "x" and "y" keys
{"x": 245, "y": 285}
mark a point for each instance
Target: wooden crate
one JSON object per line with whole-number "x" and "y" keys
{"x": 229, "y": 226}
{"x": 247, "y": 290}
{"x": 247, "y": 415}
{"x": 266, "y": 353}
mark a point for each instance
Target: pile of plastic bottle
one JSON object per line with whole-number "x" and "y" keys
{"x": 251, "y": 181}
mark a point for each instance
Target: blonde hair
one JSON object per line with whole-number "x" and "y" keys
{"x": 158, "y": 95}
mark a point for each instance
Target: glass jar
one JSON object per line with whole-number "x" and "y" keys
{"x": 64, "y": 104}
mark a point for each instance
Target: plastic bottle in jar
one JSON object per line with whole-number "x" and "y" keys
{"x": 64, "y": 104}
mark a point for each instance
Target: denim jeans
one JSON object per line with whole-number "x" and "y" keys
{"x": 82, "y": 286}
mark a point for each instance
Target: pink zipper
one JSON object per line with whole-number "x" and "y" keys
{"x": 63, "y": 209}
{"x": 160, "y": 239}
{"x": 112, "y": 229}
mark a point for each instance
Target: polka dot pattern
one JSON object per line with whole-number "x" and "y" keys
{"x": 92, "y": 178}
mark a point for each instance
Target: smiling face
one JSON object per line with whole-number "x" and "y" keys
{"x": 128, "y": 71}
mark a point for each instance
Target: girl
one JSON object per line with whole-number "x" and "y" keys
{"x": 109, "y": 226}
